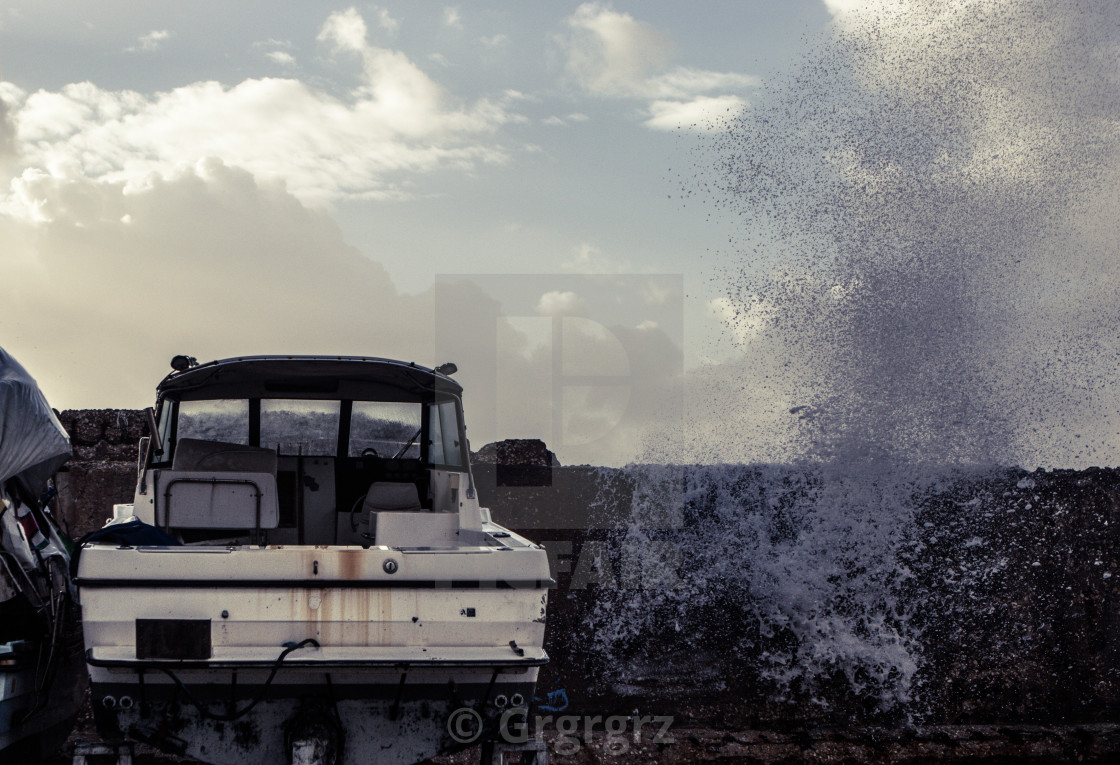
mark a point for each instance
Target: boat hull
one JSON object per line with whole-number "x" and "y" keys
{"x": 226, "y": 655}
{"x": 371, "y": 716}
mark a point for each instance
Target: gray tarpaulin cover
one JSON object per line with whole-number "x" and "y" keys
{"x": 33, "y": 444}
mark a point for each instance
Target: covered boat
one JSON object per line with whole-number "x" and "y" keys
{"x": 305, "y": 574}
{"x": 42, "y": 674}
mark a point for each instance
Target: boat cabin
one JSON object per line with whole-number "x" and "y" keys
{"x": 300, "y": 450}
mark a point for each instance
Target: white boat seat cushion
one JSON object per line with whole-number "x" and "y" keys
{"x": 391, "y": 495}
{"x": 210, "y": 499}
{"x": 215, "y": 485}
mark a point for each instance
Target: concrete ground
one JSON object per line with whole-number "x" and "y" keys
{"x": 928, "y": 745}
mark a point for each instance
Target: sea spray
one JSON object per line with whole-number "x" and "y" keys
{"x": 928, "y": 214}
{"x": 928, "y": 207}
{"x": 813, "y": 595}
{"x": 786, "y": 575}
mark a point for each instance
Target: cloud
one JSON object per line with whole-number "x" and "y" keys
{"x": 494, "y": 41}
{"x": 556, "y": 121}
{"x": 386, "y": 21}
{"x": 701, "y": 112}
{"x": 557, "y": 303}
{"x": 7, "y": 133}
{"x": 346, "y": 30}
{"x": 839, "y": 7}
{"x": 150, "y": 41}
{"x": 452, "y": 18}
{"x": 137, "y": 226}
{"x": 589, "y": 259}
{"x": 281, "y": 57}
{"x": 276, "y": 51}
{"x": 397, "y": 122}
{"x": 613, "y": 55}
{"x": 108, "y": 284}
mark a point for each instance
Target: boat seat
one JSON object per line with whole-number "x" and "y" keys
{"x": 195, "y": 454}
{"x": 215, "y": 499}
{"x": 217, "y": 485}
{"x": 393, "y": 496}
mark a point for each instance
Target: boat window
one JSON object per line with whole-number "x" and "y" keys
{"x": 386, "y": 427}
{"x": 444, "y": 447}
{"x": 435, "y": 442}
{"x": 291, "y": 426}
{"x": 215, "y": 420}
{"x": 166, "y": 415}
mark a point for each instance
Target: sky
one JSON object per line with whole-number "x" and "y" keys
{"x": 225, "y": 179}
{"x": 537, "y": 191}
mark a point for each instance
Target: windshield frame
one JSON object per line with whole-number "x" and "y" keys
{"x": 168, "y": 423}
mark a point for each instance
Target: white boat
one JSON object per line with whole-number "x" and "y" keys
{"x": 305, "y": 574}
{"x": 42, "y": 674}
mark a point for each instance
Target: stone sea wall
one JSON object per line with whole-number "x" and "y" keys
{"x": 102, "y": 470}
{"x": 999, "y": 592}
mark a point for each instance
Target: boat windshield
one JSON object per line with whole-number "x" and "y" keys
{"x": 326, "y": 428}
{"x": 388, "y": 428}
{"x": 224, "y": 420}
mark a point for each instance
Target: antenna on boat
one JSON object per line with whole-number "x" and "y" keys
{"x": 181, "y": 363}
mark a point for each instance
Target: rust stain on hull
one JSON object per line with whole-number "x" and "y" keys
{"x": 350, "y": 564}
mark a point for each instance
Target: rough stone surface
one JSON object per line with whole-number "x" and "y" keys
{"x": 102, "y": 471}
{"x": 516, "y": 451}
